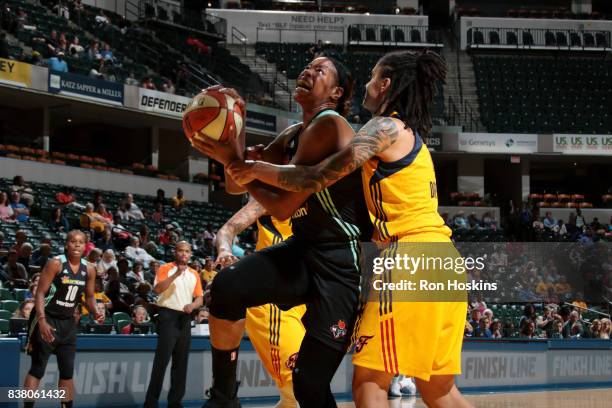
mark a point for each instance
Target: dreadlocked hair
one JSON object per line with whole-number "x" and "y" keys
{"x": 414, "y": 77}
{"x": 345, "y": 81}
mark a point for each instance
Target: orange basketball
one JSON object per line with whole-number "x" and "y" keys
{"x": 213, "y": 114}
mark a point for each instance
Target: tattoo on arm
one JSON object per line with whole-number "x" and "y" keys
{"x": 374, "y": 137}
{"x": 240, "y": 221}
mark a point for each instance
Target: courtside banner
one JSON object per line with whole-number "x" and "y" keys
{"x": 592, "y": 145}
{"x": 161, "y": 102}
{"x": 498, "y": 143}
{"x": 85, "y": 88}
{"x": 15, "y": 73}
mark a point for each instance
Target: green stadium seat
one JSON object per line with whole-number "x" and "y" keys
{"x": 5, "y": 314}
{"x": 4, "y": 326}
{"x": 120, "y": 324}
{"x": 5, "y": 294}
{"x": 10, "y": 305}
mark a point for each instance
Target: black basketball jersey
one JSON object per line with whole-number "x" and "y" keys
{"x": 335, "y": 214}
{"x": 66, "y": 289}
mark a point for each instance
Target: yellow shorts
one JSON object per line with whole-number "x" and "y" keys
{"x": 417, "y": 339}
{"x": 276, "y": 336}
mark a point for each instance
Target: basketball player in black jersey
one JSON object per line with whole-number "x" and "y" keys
{"x": 52, "y": 326}
{"x": 318, "y": 266}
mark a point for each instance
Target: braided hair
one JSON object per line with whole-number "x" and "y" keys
{"x": 345, "y": 81}
{"x": 414, "y": 77}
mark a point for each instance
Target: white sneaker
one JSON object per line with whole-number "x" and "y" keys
{"x": 395, "y": 389}
{"x": 407, "y": 386}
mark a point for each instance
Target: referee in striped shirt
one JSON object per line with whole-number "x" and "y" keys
{"x": 180, "y": 293}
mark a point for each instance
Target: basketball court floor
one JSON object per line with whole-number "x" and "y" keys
{"x": 582, "y": 398}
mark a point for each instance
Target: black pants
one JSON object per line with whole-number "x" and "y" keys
{"x": 174, "y": 339}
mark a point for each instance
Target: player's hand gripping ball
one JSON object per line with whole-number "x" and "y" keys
{"x": 214, "y": 114}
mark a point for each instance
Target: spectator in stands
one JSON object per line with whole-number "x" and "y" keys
{"x": 557, "y": 332}
{"x": 52, "y": 42}
{"x": 605, "y": 329}
{"x": 509, "y": 330}
{"x": 488, "y": 313}
{"x": 26, "y": 194}
{"x": 94, "y": 221}
{"x": 6, "y": 211}
{"x": 66, "y": 196}
{"x": 549, "y": 221}
{"x": 25, "y": 256}
{"x": 97, "y": 70}
{"x": 101, "y": 19}
{"x": 482, "y": 330}
{"x": 101, "y": 209}
{"x": 16, "y": 272}
{"x": 24, "y": 310}
{"x": 315, "y": 51}
{"x": 106, "y": 262}
{"x": 168, "y": 87}
{"x": 473, "y": 221}
{"x": 580, "y": 221}
{"x": 62, "y": 44}
{"x": 58, "y": 222}
{"x": 58, "y": 63}
{"x": 99, "y": 295}
{"x": 560, "y": 228}
{"x": 496, "y": 329}
{"x": 209, "y": 272}
{"x": 202, "y": 316}
{"x": 95, "y": 255}
{"x": 476, "y": 316}
{"x": 178, "y": 201}
{"x": 76, "y": 49}
{"x": 595, "y": 329}
{"x": 528, "y": 330}
{"x": 574, "y": 318}
{"x": 147, "y": 83}
{"x": 44, "y": 252}
{"x": 107, "y": 54}
{"x": 545, "y": 322}
{"x": 596, "y": 225}
{"x": 144, "y": 293}
{"x": 133, "y": 211}
{"x": 21, "y": 237}
{"x": 137, "y": 254}
{"x": 20, "y": 210}
{"x": 529, "y": 315}
{"x": 62, "y": 10}
{"x": 587, "y": 237}
{"x": 93, "y": 54}
{"x": 103, "y": 317}
{"x": 158, "y": 215}
{"x": 4, "y": 46}
{"x": 577, "y": 331}
{"x": 209, "y": 235}
{"x": 488, "y": 221}
{"x": 136, "y": 275}
{"x": 122, "y": 212}
{"x": 139, "y": 316}
{"x": 105, "y": 242}
{"x": 131, "y": 79}
{"x": 459, "y": 221}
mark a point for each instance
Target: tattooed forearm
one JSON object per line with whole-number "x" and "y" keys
{"x": 240, "y": 221}
{"x": 374, "y": 137}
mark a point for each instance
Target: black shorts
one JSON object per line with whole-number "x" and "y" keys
{"x": 324, "y": 276}
{"x": 63, "y": 345}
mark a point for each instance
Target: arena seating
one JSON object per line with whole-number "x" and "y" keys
{"x": 530, "y": 94}
{"x": 292, "y": 58}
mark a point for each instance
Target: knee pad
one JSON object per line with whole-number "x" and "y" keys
{"x": 226, "y": 297}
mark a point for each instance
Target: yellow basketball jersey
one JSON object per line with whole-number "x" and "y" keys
{"x": 271, "y": 231}
{"x": 402, "y": 196}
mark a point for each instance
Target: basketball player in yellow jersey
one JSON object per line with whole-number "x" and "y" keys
{"x": 275, "y": 334}
{"x": 415, "y": 339}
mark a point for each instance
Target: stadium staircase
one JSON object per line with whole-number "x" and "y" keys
{"x": 460, "y": 87}
{"x": 280, "y": 86}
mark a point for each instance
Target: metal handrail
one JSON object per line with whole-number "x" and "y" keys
{"x": 305, "y": 40}
{"x": 394, "y": 34}
{"x": 550, "y": 38}
{"x": 241, "y": 37}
